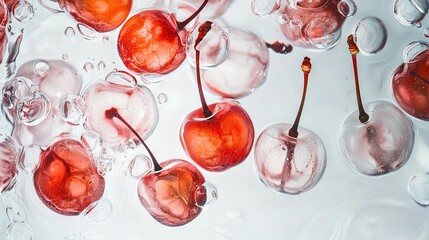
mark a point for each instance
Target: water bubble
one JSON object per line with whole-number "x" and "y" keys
{"x": 51, "y": 5}
{"x": 33, "y": 108}
{"x": 41, "y": 68}
{"x": 426, "y": 32}
{"x": 65, "y": 56}
{"x": 91, "y": 140}
{"x": 408, "y": 13}
{"x": 23, "y": 11}
{"x": 105, "y": 163}
{"x": 29, "y": 160}
{"x": 72, "y": 109}
{"x": 101, "y": 65}
{"x": 86, "y": 32}
{"x": 347, "y": 8}
{"x": 412, "y": 50}
{"x": 69, "y": 32}
{"x": 370, "y": 35}
{"x": 15, "y": 89}
{"x": 88, "y": 67}
{"x": 265, "y": 7}
{"x": 19, "y": 230}
{"x": 106, "y": 39}
{"x": 162, "y": 98}
{"x": 205, "y": 194}
{"x": 213, "y": 48}
{"x": 140, "y": 166}
{"x": 121, "y": 79}
{"x": 98, "y": 212}
{"x": 283, "y": 19}
{"x": 418, "y": 188}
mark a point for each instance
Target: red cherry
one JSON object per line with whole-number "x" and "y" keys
{"x": 219, "y": 136}
{"x": 101, "y": 15}
{"x": 171, "y": 195}
{"x": 66, "y": 179}
{"x": 221, "y": 141}
{"x": 152, "y": 41}
{"x": 411, "y": 86}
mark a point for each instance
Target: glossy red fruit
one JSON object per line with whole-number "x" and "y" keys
{"x": 173, "y": 195}
{"x": 411, "y": 86}
{"x": 151, "y": 43}
{"x": 4, "y": 18}
{"x": 221, "y": 141}
{"x": 101, "y": 15}
{"x": 66, "y": 179}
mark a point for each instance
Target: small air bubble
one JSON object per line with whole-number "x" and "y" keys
{"x": 106, "y": 39}
{"x": 101, "y": 65}
{"x": 41, "y": 68}
{"x": 162, "y": 98}
{"x": 69, "y": 32}
{"x": 23, "y": 11}
{"x": 98, "y": 212}
{"x": 88, "y": 67}
{"x": 418, "y": 188}
{"x": 370, "y": 35}
{"x": 347, "y": 8}
{"x": 265, "y": 7}
{"x": 86, "y": 31}
{"x": 72, "y": 109}
{"x": 19, "y": 230}
{"x": 33, "y": 108}
{"x": 65, "y": 56}
{"x": 283, "y": 19}
{"x": 412, "y": 50}
{"x": 140, "y": 166}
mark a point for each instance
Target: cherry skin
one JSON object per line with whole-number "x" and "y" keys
{"x": 411, "y": 86}
{"x": 101, "y": 15}
{"x": 4, "y": 18}
{"x": 173, "y": 192}
{"x": 152, "y": 42}
{"x": 66, "y": 179}
{"x": 217, "y": 136}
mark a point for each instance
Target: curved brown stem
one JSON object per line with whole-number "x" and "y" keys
{"x": 182, "y": 25}
{"x": 279, "y": 47}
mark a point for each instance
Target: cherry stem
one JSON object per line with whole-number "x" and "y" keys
{"x": 354, "y": 50}
{"x": 182, "y": 25}
{"x": 419, "y": 77}
{"x": 113, "y": 113}
{"x": 279, "y": 47}
{"x": 306, "y": 68}
{"x": 202, "y": 32}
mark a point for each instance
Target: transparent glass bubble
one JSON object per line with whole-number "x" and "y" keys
{"x": 65, "y": 56}
{"x": 86, "y": 32}
{"x": 140, "y": 166}
{"x": 121, "y": 79}
{"x": 91, "y": 140}
{"x": 9, "y": 157}
{"x": 418, "y": 188}
{"x": 162, "y": 98}
{"x": 51, "y": 5}
{"x": 106, "y": 39}
{"x": 23, "y": 11}
{"x": 283, "y": 19}
{"x": 19, "y": 230}
{"x": 72, "y": 109}
{"x": 101, "y": 65}
{"x": 408, "y": 13}
{"x": 412, "y": 50}
{"x": 265, "y": 7}
{"x": 213, "y": 48}
{"x": 421, "y": 5}
{"x": 69, "y": 32}
{"x": 152, "y": 78}
{"x": 347, "y": 8}
{"x": 182, "y": 12}
{"x": 16, "y": 89}
{"x": 98, "y": 212}
{"x": 206, "y": 194}
{"x": 29, "y": 160}
{"x": 312, "y": 32}
{"x": 370, "y": 35}
{"x": 41, "y": 68}
{"x": 88, "y": 67}
{"x": 33, "y": 108}
{"x": 105, "y": 162}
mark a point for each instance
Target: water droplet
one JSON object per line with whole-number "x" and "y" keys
{"x": 72, "y": 109}
{"x": 162, "y": 98}
{"x": 16, "y": 89}
{"x": 33, "y": 108}
{"x": 19, "y": 231}
{"x": 407, "y": 11}
{"x": 88, "y": 67}
{"x": 41, "y": 68}
{"x": 23, "y": 11}
{"x": 412, "y": 50}
{"x": 347, "y": 8}
{"x": 98, "y": 212}
{"x": 426, "y": 32}
{"x": 418, "y": 188}
{"x": 205, "y": 194}
{"x": 101, "y": 65}
{"x": 69, "y": 32}
{"x": 106, "y": 39}
{"x": 86, "y": 32}
{"x": 91, "y": 140}
{"x": 370, "y": 35}
{"x": 65, "y": 56}
{"x": 283, "y": 19}
{"x": 265, "y": 7}
{"x": 105, "y": 163}
{"x": 30, "y": 158}
{"x": 121, "y": 79}
{"x": 140, "y": 166}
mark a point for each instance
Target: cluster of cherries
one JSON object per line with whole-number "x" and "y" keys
{"x": 217, "y": 136}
